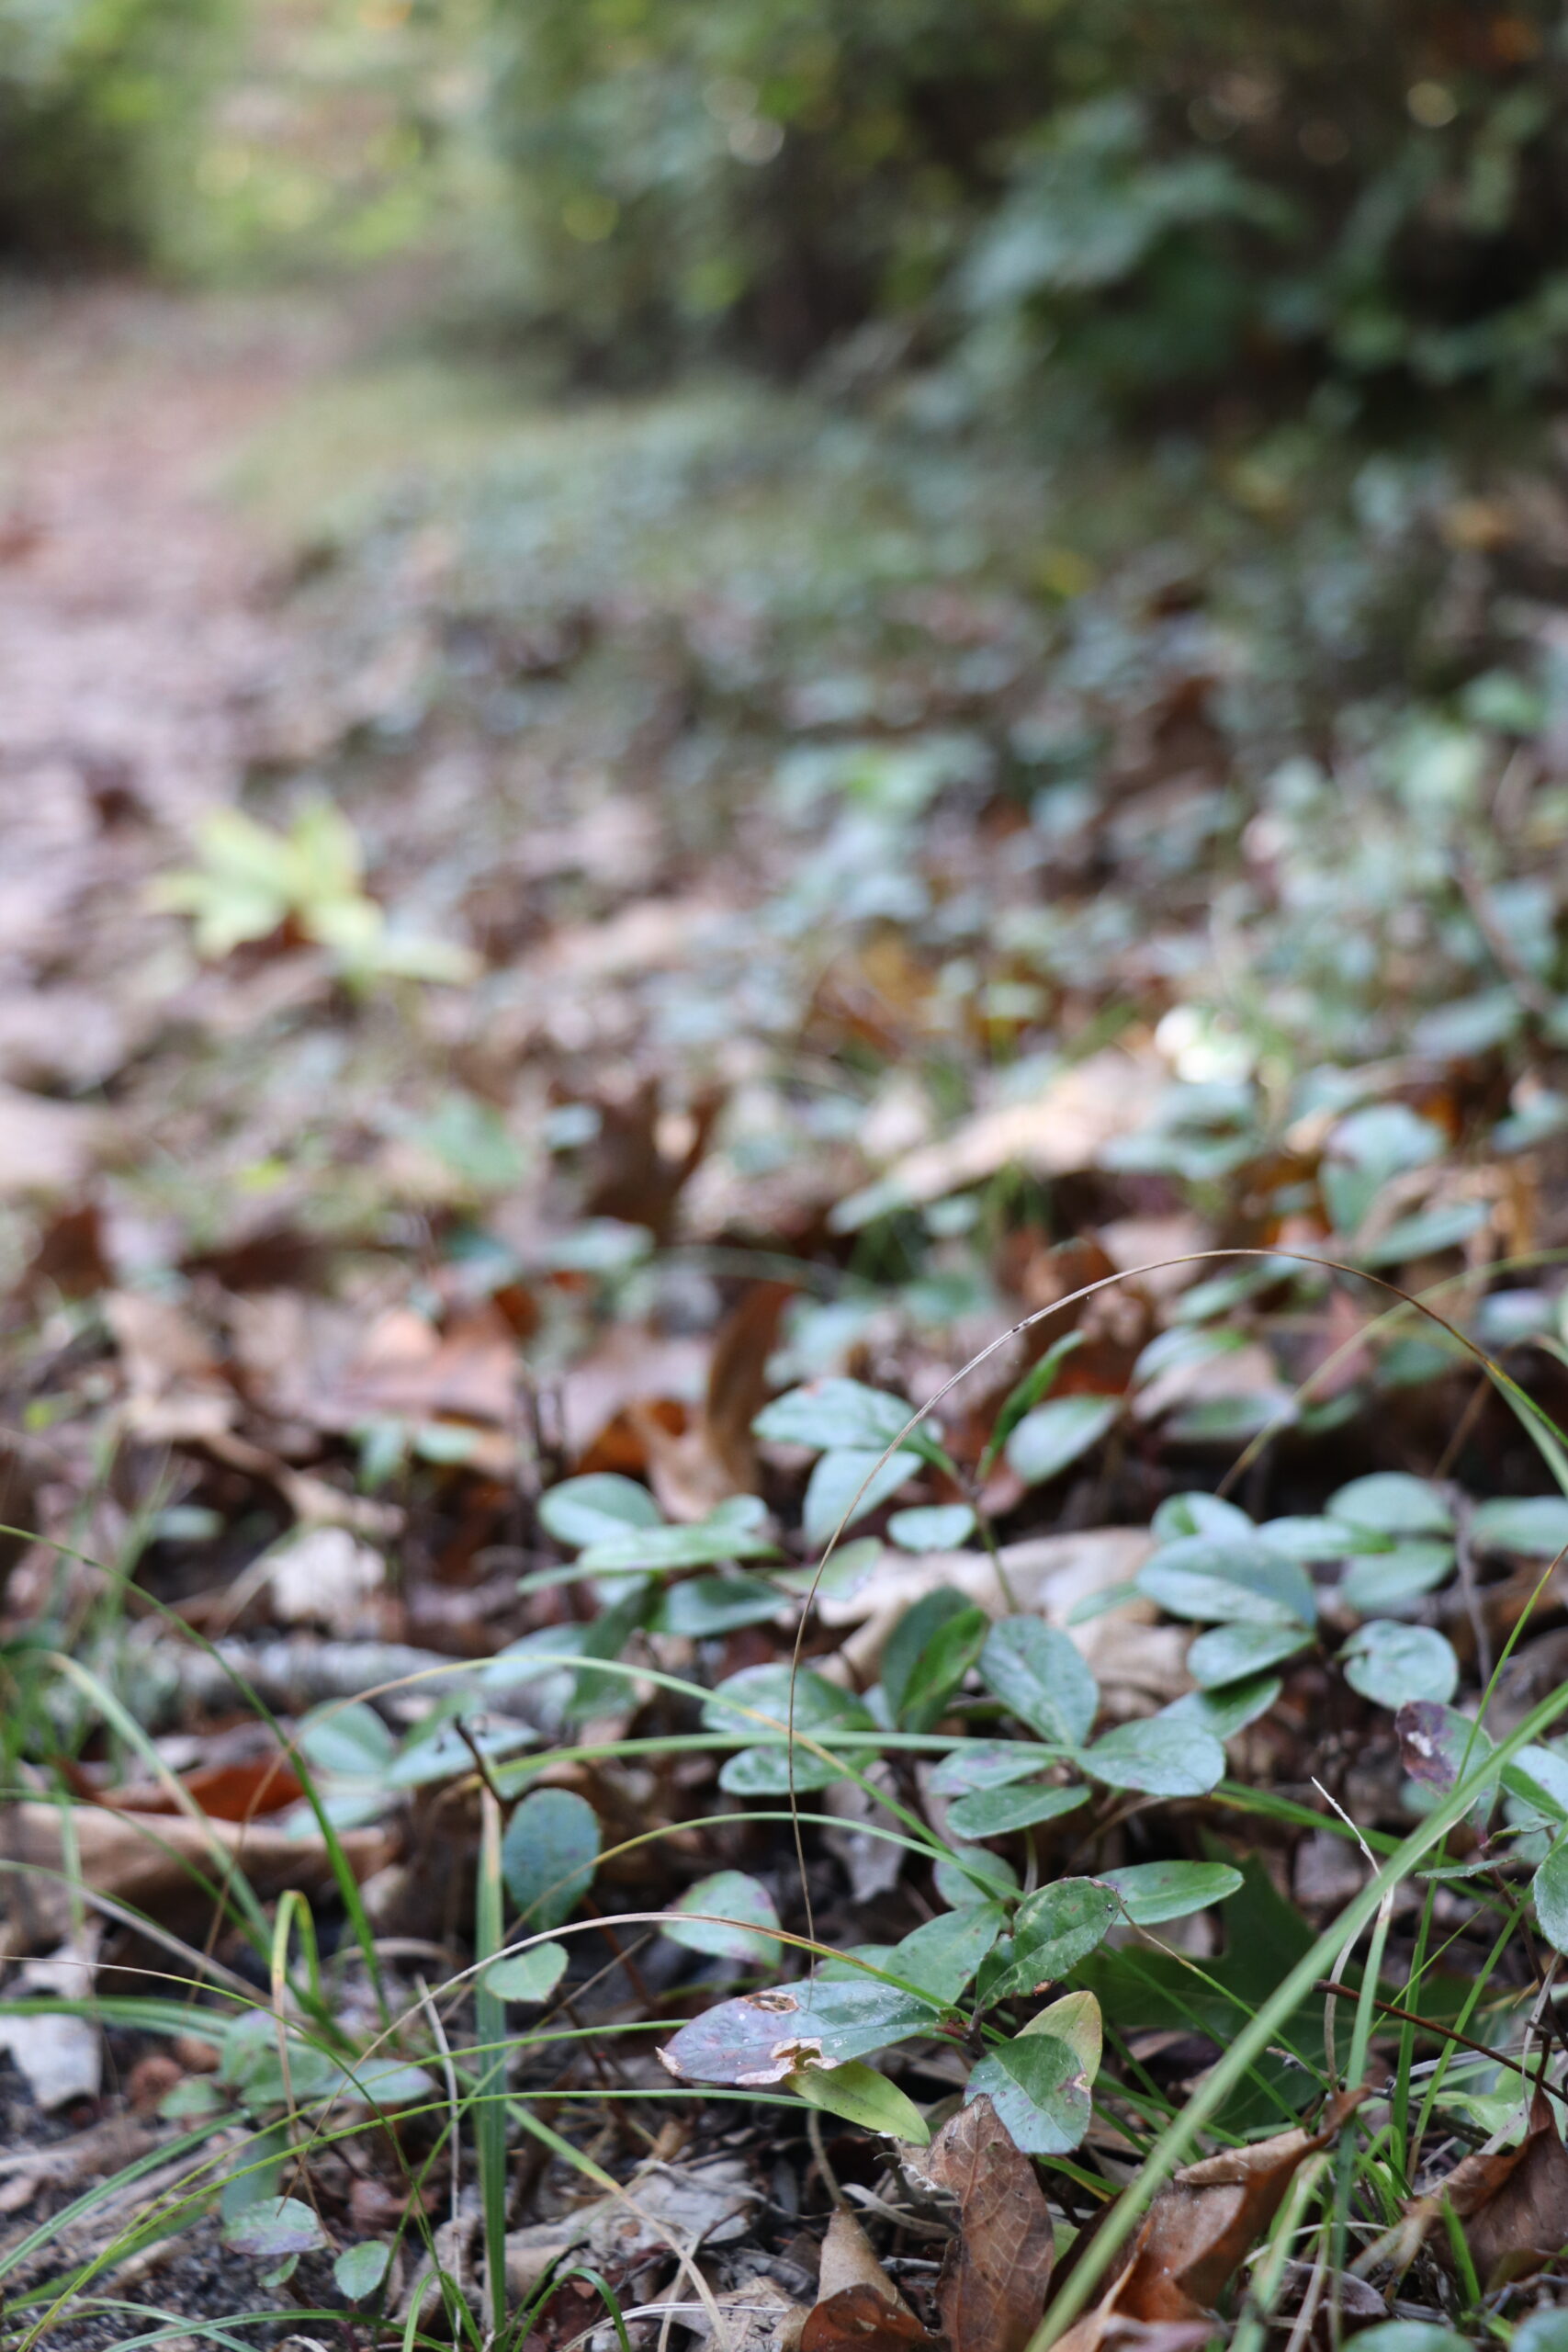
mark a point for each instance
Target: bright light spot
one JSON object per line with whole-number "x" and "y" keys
{"x": 1432, "y": 104}
{"x": 755, "y": 140}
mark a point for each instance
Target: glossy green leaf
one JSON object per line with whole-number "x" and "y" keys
{"x": 1039, "y": 1674}
{"x": 1231, "y": 1653}
{"x": 1162, "y": 1757}
{"x": 739, "y": 1913}
{"x": 598, "y": 1508}
{"x": 1040, "y": 2091}
{"x": 1549, "y": 1892}
{"x": 1054, "y": 1435}
{"x": 931, "y": 1527}
{"x": 987, "y": 1764}
{"x": 969, "y": 1874}
{"x": 940, "y": 1956}
{"x": 862, "y": 2096}
{"x": 1075, "y": 2018}
{"x": 704, "y": 1606}
{"x": 530, "y": 1976}
{"x": 743, "y": 1700}
{"x": 994, "y": 1813}
{"x": 1393, "y": 1503}
{"x": 1534, "y": 1527}
{"x": 852, "y": 1482}
{"x": 765, "y": 1771}
{"x": 831, "y": 1413}
{"x": 1224, "y": 1712}
{"x": 548, "y": 1854}
{"x": 707, "y": 1544}
{"x": 912, "y": 1635}
{"x": 1390, "y": 1663}
{"x": 1156, "y": 1891}
{"x": 1539, "y": 1777}
{"x": 942, "y": 1667}
{"x": 1053, "y": 1930}
{"x": 272, "y": 2228}
{"x": 359, "y": 2269}
{"x": 1396, "y": 1580}
{"x": 1036, "y": 1384}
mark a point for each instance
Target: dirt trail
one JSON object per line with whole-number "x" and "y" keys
{"x": 136, "y": 635}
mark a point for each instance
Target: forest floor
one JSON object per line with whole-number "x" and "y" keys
{"x": 781, "y": 1208}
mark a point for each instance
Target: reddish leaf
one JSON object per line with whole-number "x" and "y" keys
{"x": 857, "y": 2319}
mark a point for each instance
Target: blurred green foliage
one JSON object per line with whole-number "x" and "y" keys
{"x": 1161, "y": 194}
{"x": 1147, "y": 201}
{"x": 100, "y": 104}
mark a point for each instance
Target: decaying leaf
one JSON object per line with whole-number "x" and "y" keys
{"x": 994, "y": 2280}
{"x": 858, "y": 2308}
{"x": 1195, "y": 2234}
{"x": 150, "y": 1860}
{"x": 1512, "y": 2202}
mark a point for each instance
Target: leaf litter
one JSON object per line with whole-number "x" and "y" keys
{"x": 487, "y": 1184}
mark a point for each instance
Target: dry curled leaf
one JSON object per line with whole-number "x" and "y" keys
{"x": 1196, "y": 2234}
{"x": 993, "y": 2282}
{"x": 1512, "y": 2203}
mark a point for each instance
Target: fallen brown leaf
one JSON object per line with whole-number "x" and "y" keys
{"x": 857, "y": 2319}
{"x": 716, "y": 1457}
{"x": 148, "y": 1859}
{"x": 993, "y": 2283}
{"x": 1195, "y": 2234}
{"x": 1512, "y": 2202}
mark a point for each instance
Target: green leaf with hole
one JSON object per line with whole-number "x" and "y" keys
{"x": 863, "y": 2097}
{"x": 1054, "y": 1929}
{"x": 738, "y": 1914}
{"x": 548, "y": 1854}
{"x": 1390, "y": 1663}
{"x": 1041, "y": 2092}
{"x": 1162, "y": 1757}
{"x": 273, "y": 2228}
{"x": 1039, "y": 1674}
{"x": 1056, "y": 1434}
{"x": 530, "y": 1976}
{"x": 1156, "y": 1891}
